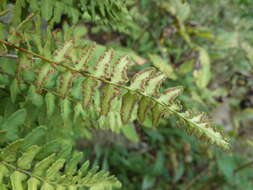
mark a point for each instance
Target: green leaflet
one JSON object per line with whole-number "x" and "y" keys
{"x": 61, "y": 53}
{"x": 203, "y": 74}
{"x": 82, "y": 65}
{"x": 65, "y": 83}
{"x": 75, "y": 92}
{"x": 34, "y": 137}
{"x": 37, "y": 37}
{"x": 16, "y": 17}
{"x": 130, "y": 132}
{"x": 248, "y": 50}
{"x": 65, "y": 109}
{"x": 78, "y": 111}
{"x": 28, "y": 75}
{"x": 48, "y": 44}
{"x": 112, "y": 120}
{"x": 102, "y": 68}
{"x": 72, "y": 164}
{"x": 12, "y": 123}
{"x": 49, "y": 149}
{"x": 54, "y": 168}
{"x": 47, "y": 9}
{"x": 9, "y": 153}
{"x": 14, "y": 90}
{"x": 157, "y": 112}
{"x": 34, "y": 97}
{"x": 128, "y": 102}
{"x": 198, "y": 118}
{"x": 41, "y": 166}
{"x": 47, "y": 186}
{"x": 166, "y": 98}
{"x": 33, "y": 183}
{"x": 43, "y": 75}
{"x": 5, "y": 81}
{"x": 102, "y": 9}
{"x": 58, "y": 9}
{"x": 50, "y": 103}
{"x": 25, "y": 161}
{"x": 64, "y": 188}
{"x": 179, "y": 9}
{"x": 144, "y": 105}
{"x": 88, "y": 86}
{"x": 170, "y": 94}
{"x": 154, "y": 83}
{"x": 119, "y": 74}
{"x": 3, "y": 172}
{"x": 84, "y": 169}
{"x": 139, "y": 79}
{"x": 17, "y": 179}
{"x": 109, "y": 92}
{"x": 163, "y": 66}
{"x": 176, "y": 107}
{"x": 51, "y": 79}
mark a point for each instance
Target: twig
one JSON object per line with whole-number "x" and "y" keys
{"x": 4, "y": 11}
{"x": 13, "y": 56}
{"x": 243, "y": 166}
{"x": 25, "y": 21}
{"x": 195, "y": 179}
{"x": 4, "y": 73}
{"x": 28, "y": 52}
{"x": 190, "y": 56}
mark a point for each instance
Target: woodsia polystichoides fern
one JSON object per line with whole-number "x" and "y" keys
{"x": 76, "y": 75}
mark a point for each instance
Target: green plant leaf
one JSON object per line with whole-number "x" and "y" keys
{"x": 12, "y": 123}
{"x": 163, "y": 66}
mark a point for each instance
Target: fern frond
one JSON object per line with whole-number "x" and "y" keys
{"x": 110, "y": 80}
{"x": 27, "y": 166}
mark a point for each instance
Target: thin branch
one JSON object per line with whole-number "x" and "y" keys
{"x": 28, "y": 52}
{"x": 195, "y": 179}
{"x": 13, "y": 56}
{"x": 4, "y": 73}
{"x": 4, "y": 11}
{"x": 25, "y": 21}
{"x": 244, "y": 166}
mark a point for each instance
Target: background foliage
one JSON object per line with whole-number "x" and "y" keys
{"x": 207, "y": 47}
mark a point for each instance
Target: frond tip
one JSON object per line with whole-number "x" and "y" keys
{"x": 203, "y": 129}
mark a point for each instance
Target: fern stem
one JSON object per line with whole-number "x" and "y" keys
{"x": 27, "y": 51}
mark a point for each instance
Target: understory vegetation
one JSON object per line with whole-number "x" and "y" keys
{"x": 126, "y": 94}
